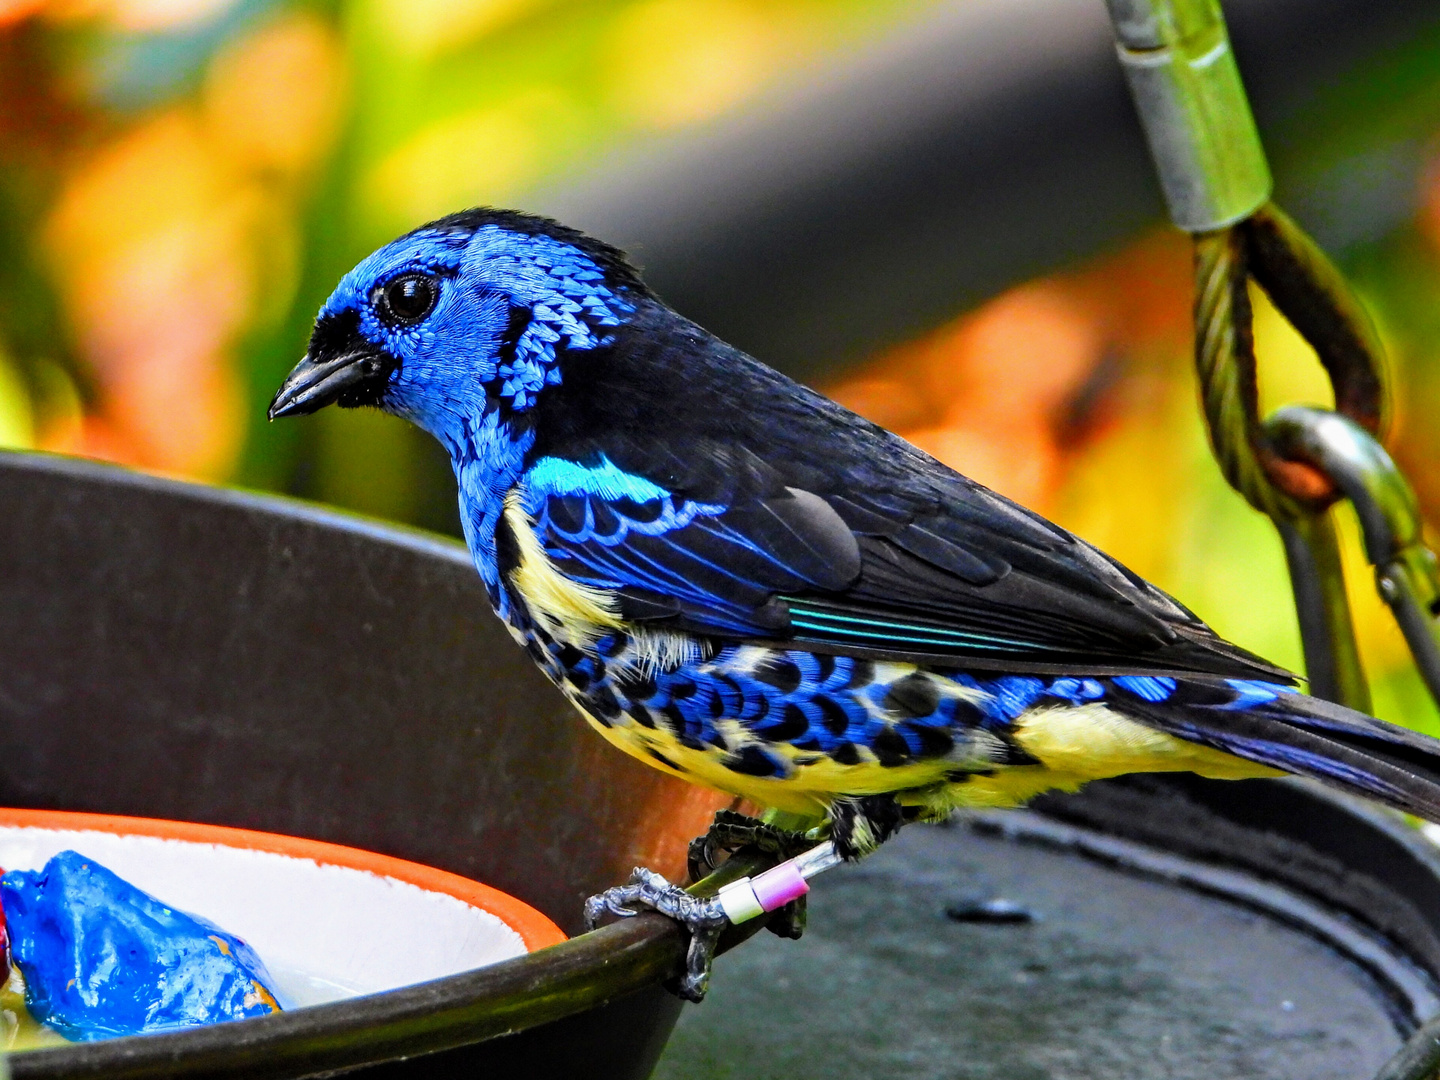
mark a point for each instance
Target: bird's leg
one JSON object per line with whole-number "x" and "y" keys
{"x": 703, "y": 918}
{"x": 731, "y": 831}
{"x": 857, "y": 825}
{"x": 860, "y": 824}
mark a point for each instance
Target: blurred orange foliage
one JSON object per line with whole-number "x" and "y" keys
{"x": 175, "y": 237}
{"x": 1005, "y": 393}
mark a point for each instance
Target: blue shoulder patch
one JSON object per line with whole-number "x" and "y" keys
{"x": 557, "y": 476}
{"x": 1077, "y": 691}
{"x": 602, "y": 504}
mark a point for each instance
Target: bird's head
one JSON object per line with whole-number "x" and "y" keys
{"x": 467, "y": 315}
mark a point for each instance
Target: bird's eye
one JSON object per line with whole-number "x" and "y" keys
{"x": 407, "y": 299}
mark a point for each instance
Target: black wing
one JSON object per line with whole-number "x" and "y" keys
{"x": 772, "y": 513}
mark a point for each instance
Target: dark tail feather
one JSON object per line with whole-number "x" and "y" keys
{"x": 1276, "y": 726}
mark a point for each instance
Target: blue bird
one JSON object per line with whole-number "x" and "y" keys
{"x": 743, "y": 584}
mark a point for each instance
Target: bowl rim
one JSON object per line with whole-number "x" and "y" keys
{"x": 504, "y": 998}
{"x": 536, "y": 930}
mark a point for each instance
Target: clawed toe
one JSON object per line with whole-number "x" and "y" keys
{"x": 731, "y": 831}
{"x": 703, "y": 918}
{"x": 789, "y": 921}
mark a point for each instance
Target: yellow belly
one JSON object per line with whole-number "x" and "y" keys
{"x": 1074, "y": 745}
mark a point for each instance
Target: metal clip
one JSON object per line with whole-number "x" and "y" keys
{"x": 1406, "y": 571}
{"x": 1177, "y": 58}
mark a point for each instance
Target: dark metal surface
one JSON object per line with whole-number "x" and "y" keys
{"x": 985, "y": 142}
{"x": 1182, "y": 930}
{"x": 183, "y": 652}
{"x": 188, "y": 652}
{"x": 1316, "y": 299}
{"x": 177, "y": 651}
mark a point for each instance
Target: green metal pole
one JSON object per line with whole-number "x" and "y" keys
{"x": 1177, "y": 58}
{"x": 1327, "y": 634}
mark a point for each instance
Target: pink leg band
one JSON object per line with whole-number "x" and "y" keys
{"x": 776, "y": 888}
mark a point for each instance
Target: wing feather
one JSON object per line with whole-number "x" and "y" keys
{"x": 774, "y": 514}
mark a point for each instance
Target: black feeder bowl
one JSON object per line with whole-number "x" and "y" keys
{"x": 182, "y": 652}
{"x": 190, "y": 653}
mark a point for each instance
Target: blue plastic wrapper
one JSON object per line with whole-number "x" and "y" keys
{"x": 101, "y": 958}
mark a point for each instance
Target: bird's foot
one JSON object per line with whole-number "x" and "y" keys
{"x": 731, "y": 831}
{"x": 703, "y": 918}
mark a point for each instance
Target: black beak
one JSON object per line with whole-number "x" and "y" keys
{"x": 341, "y": 367}
{"x": 313, "y": 384}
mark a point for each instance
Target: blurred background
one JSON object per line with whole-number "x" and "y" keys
{"x": 940, "y": 213}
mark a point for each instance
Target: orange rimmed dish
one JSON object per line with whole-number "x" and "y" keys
{"x": 330, "y": 922}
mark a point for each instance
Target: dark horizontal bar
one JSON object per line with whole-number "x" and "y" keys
{"x": 987, "y": 141}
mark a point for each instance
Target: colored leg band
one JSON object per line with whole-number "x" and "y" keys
{"x": 745, "y": 899}
{"x": 777, "y": 887}
{"x": 739, "y": 902}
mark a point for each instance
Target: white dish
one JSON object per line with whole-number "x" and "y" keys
{"x": 329, "y": 922}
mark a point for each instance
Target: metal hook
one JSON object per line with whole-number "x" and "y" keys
{"x": 1406, "y": 571}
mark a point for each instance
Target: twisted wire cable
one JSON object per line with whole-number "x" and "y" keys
{"x": 1317, "y": 300}
{"x": 1225, "y": 361}
{"x": 1313, "y": 295}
